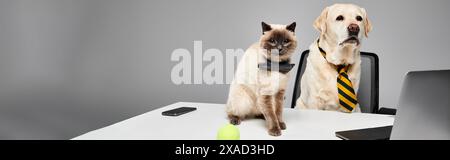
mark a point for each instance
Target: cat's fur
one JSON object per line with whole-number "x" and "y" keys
{"x": 255, "y": 92}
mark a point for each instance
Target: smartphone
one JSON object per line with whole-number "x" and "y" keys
{"x": 178, "y": 111}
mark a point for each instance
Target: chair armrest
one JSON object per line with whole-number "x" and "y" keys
{"x": 388, "y": 111}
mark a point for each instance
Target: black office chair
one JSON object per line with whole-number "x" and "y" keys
{"x": 368, "y": 88}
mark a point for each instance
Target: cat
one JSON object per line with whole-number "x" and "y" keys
{"x": 259, "y": 84}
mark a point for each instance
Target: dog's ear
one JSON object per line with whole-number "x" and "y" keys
{"x": 291, "y": 27}
{"x": 320, "y": 22}
{"x": 265, "y": 27}
{"x": 367, "y": 23}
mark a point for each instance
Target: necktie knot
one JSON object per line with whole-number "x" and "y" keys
{"x": 342, "y": 69}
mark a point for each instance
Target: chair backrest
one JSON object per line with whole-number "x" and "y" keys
{"x": 368, "y": 88}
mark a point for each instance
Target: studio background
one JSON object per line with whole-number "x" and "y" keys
{"x": 72, "y": 66}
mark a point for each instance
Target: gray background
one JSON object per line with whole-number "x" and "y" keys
{"x": 68, "y": 67}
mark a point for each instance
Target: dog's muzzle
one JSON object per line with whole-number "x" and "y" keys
{"x": 353, "y": 31}
{"x": 351, "y": 39}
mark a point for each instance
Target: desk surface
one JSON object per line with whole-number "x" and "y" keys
{"x": 208, "y": 118}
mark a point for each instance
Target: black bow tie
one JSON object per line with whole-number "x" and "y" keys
{"x": 283, "y": 66}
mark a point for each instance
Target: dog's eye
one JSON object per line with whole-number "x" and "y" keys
{"x": 358, "y": 18}
{"x": 271, "y": 40}
{"x": 286, "y": 41}
{"x": 340, "y": 18}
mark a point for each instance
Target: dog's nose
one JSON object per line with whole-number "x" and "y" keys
{"x": 353, "y": 29}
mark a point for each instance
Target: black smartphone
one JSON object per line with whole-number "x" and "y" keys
{"x": 178, "y": 111}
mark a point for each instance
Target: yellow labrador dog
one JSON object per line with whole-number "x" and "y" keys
{"x": 333, "y": 68}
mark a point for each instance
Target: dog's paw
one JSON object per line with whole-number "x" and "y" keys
{"x": 282, "y": 125}
{"x": 235, "y": 120}
{"x": 275, "y": 132}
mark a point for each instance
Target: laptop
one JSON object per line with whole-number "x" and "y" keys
{"x": 423, "y": 112}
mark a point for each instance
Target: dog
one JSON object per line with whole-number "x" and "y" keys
{"x": 342, "y": 28}
{"x": 258, "y": 87}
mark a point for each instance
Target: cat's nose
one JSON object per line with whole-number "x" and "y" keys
{"x": 279, "y": 47}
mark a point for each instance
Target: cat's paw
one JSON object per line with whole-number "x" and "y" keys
{"x": 275, "y": 132}
{"x": 282, "y": 125}
{"x": 235, "y": 120}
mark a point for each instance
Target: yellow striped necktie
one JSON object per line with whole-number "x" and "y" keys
{"x": 347, "y": 96}
{"x": 346, "y": 93}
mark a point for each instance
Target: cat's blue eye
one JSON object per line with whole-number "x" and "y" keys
{"x": 272, "y": 41}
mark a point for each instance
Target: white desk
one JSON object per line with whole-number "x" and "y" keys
{"x": 208, "y": 118}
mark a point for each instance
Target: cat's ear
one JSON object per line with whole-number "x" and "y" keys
{"x": 265, "y": 27}
{"x": 291, "y": 27}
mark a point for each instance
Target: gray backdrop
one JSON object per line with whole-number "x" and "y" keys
{"x": 68, "y": 67}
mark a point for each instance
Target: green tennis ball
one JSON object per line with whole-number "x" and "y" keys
{"x": 228, "y": 132}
